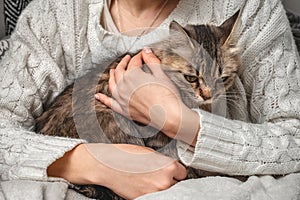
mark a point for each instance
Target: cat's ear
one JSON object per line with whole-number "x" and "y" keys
{"x": 176, "y": 28}
{"x": 229, "y": 28}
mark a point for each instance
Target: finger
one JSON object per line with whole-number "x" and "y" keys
{"x": 113, "y": 88}
{"x": 112, "y": 84}
{"x": 109, "y": 102}
{"x": 181, "y": 173}
{"x": 135, "y": 62}
{"x": 104, "y": 99}
{"x": 152, "y": 62}
{"x": 121, "y": 68}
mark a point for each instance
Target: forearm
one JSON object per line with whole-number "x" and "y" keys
{"x": 241, "y": 148}
{"x": 26, "y": 155}
{"x": 182, "y": 124}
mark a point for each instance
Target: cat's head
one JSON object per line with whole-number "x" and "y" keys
{"x": 205, "y": 55}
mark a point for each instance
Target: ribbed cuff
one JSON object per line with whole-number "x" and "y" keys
{"x": 218, "y": 146}
{"x": 26, "y": 155}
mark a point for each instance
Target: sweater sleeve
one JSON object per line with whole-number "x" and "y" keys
{"x": 32, "y": 72}
{"x": 269, "y": 144}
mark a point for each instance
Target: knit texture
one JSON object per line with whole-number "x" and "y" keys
{"x": 57, "y": 41}
{"x": 216, "y": 188}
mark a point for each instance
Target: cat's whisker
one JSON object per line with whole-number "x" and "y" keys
{"x": 246, "y": 93}
{"x": 231, "y": 93}
{"x": 230, "y": 99}
{"x": 231, "y": 102}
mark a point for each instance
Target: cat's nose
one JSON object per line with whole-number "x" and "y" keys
{"x": 206, "y": 93}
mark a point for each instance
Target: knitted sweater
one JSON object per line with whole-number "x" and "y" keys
{"x": 57, "y": 41}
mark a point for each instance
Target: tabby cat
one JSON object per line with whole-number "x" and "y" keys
{"x": 201, "y": 60}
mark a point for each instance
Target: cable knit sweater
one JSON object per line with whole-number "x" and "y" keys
{"x": 57, "y": 41}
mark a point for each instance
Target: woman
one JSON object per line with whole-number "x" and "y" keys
{"x": 57, "y": 41}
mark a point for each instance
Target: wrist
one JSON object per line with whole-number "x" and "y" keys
{"x": 190, "y": 127}
{"x": 61, "y": 167}
{"x": 77, "y": 166}
{"x": 183, "y": 125}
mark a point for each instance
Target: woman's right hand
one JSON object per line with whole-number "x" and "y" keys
{"x": 128, "y": 170}
{"x": 150, "y": 98}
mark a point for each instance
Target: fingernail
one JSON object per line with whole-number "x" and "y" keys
{"x": 147, "y": 50}
{"x": 98, "y": 96}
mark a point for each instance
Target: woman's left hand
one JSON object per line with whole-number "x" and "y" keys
{"x": 151, "y": 99}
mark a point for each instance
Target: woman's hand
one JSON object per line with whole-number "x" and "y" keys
{"x": 128, "y": 170}
{"x": 151, "y": 99}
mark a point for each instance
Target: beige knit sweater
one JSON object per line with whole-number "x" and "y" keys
{"x": 57, "y": 40}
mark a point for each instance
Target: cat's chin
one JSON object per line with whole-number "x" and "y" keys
{"x": 205, "y": 106}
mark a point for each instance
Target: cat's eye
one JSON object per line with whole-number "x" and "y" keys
{"x": 191, "y": 78}
{"x": 222, "y": 79}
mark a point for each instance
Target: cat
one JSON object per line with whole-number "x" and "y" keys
{"x": 201, "y": 60}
